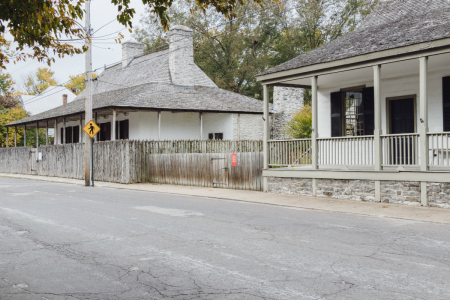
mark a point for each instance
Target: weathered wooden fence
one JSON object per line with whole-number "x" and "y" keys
{"x": 15, "y": 160}
{"x": 207, "y": 169}
{"x": 121, "y": 161}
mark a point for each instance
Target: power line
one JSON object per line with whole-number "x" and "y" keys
{"x": 165, "y": 45}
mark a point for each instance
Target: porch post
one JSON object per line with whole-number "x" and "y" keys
{"x": 46, "y": 134}
{"x": 81, "y": 129}
{"x": 37, "y": 135}
{"x": 55, "y": 135}
{"x": 64, "y": 131}
{"x": 266, "y": 133}
{"x": 113, "y": 134}
{"x": 377, "y": 112}
{"x": 201, "y": 126}
{"x": 25, "y": 135}
{"x": 314, "y": 145}
{"x": 159, "y": 125}
{"x": 424, "y": 151}
{"x": 377, "y": 146}
{"x": 15, "y": 136}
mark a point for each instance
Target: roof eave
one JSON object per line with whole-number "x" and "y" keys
{"x": 382, "y": 57}
{"x": 14, "y": 124}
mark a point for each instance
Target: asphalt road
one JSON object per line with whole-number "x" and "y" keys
{"x": 60, "y": 241}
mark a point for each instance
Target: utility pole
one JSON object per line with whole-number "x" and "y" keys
{"x": 88, "y": 148}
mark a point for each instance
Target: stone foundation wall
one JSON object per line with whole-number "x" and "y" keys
{"x": 293, "y": 186}
{"x": 359, "y": 190}
{"x": 438, "y": 194}
{"x": 395, "y": 192}
{"x": 398, "y": 192}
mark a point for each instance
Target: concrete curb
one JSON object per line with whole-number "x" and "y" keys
{"x": 425, "y": 214}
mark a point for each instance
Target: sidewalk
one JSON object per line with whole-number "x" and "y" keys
{"x": 427, "y": 214}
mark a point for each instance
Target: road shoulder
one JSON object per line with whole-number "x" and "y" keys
{"x": 416, "y": 213}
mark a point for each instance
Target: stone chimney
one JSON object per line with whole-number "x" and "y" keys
{"x": 64, "y": 99}
{"x": 130, "y": 50}
{"x": 181, "y": 56}
{"x": 286, "y": 102}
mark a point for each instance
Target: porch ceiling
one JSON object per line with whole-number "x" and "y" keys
{"x": 360, "y": 76}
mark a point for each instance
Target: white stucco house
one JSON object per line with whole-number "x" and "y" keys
{"x": 381, "y": 111}
{"x": 163, "y": 95}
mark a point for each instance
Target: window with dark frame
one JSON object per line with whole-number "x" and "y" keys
{"x": 105, "y": 131}
{"x": 446, "y": 102}
{"x": 76, "y": 134}
{"x": 68, "y": 135}
{"x": 352, "y": 112}
{"x": 124, "y": 129}
{"x": 215, "y": 136}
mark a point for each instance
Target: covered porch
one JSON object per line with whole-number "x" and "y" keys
{"x": 385, "y": 118}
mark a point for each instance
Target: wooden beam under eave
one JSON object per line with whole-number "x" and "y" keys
{"x": 299, "y": 86}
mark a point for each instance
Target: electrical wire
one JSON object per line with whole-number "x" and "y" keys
{"x": 156, "y": 48}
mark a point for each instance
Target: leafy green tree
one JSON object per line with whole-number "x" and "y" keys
{"x": 231, "y": 52}
{"x": 299, "y": 127}
{"x": 46, "y": 26}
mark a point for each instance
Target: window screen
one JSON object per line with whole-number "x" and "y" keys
{"x": 354, "y": 113}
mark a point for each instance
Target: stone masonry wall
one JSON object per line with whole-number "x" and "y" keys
{"x": 394, "y": 192}
{"x": 359, "y": 190}
{"x": 181, "y": 55}
{"x": 439, "y": 194}
{"x": 287, "y": 102}
{"x": 398, "y": 192}
{"x": 130, "y": 50}
{"x": 293, "y": 186}
{"x": 248, "y": 127}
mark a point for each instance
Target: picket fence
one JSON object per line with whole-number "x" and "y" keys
{"x": 122, "y": 161}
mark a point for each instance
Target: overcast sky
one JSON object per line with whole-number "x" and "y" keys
{"x": 102, "y": 12}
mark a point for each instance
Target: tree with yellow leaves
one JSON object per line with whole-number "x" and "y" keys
{"x": 8, "y": 116}
{"x": 39, "y": 81}
{"x": 78, "y": 82}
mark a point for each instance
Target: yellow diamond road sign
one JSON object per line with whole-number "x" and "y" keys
{"x": 91, "y": 129}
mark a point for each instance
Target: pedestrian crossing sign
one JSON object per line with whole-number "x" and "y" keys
{"x": 91, "y": 129}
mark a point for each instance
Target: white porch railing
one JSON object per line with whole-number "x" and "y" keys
{"x": 346, "y": 151}
{"x": 439, "y": 145}
{"x": 290, "y": 152}
{"x": 400, "y": 149}
{"x": 397, "y": 150}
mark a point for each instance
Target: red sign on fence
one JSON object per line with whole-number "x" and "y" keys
{"x": 234, "y": 160}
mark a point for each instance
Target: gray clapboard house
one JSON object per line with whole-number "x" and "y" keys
{"x": 158, "y": 96}
{"x": 381, "y": 111}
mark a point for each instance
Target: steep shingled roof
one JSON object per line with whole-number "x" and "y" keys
{"x": 145, "y": 83}
{"x": 392, "y": 24}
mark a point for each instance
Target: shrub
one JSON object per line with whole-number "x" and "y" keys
{"x": 300, "y": 125}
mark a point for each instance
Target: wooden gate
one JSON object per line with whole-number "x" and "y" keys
{"x": 207, "y": 169}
